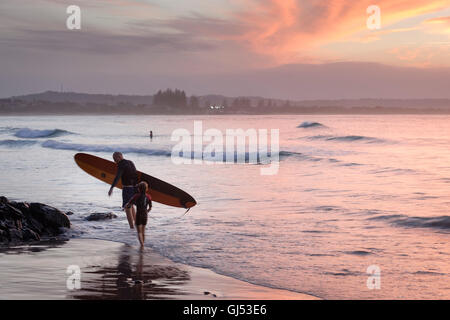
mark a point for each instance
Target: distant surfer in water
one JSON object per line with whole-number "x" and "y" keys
{"x": 143, "y": 202}
{"x": 127, "y": 172}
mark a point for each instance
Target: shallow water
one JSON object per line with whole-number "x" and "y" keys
{"x": 352, "y": 192}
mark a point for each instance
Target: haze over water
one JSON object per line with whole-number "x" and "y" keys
{"x": 351, "y": 191}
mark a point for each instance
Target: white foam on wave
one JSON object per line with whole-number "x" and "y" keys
{"x": 308, "y": 124}
{"x": 33, "y": 133}
{"x": 247, "y": 157}
{"x": 52, "y": 144}
{"x": 17, "y": 143}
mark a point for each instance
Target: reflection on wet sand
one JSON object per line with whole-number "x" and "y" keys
{"x": 112, "y": 270}
{"x": 32, "y": 247}
{"x": 135, "y": 277}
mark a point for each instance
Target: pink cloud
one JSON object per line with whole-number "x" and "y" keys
{"x": 440, "y": 25}
{"x": 284, "y": 28}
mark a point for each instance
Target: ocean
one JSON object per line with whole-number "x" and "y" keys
{"x": 351, "y": 193}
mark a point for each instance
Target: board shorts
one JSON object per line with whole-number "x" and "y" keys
{"x": 141, "y": 218}
{"x": 127, "y": 194}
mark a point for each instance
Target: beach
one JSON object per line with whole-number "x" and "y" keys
{"x": 113, "y": 270}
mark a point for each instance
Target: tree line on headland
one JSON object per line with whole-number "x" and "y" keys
{"x": 178, "y": 102}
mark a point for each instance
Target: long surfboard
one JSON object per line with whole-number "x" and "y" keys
{"x": 160, "y": 191}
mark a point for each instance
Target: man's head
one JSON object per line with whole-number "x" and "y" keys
{"x": 117, "y": 156}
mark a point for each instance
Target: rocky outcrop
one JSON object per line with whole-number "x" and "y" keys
{"x": 97, "y": 216}
{"x": 22, "y": 222}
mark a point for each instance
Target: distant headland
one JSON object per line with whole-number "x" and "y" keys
{"x": 173, "y": 102}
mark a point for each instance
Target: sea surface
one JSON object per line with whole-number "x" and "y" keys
{"x": 351, "y": 192}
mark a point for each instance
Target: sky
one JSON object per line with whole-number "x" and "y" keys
{"x": 140, "y": 46}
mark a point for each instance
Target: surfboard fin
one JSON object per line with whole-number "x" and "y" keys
{"x": 186, "y": 212}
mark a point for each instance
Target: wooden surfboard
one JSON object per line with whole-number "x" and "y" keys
{"x": 160, "y": 191}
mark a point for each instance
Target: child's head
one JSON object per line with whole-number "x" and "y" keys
{"x": 142, "y": 187}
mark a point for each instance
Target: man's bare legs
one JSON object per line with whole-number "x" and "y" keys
{"x": 131, "y": 216}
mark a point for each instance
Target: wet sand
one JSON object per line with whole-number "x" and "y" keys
{"x": 111, "y": 270}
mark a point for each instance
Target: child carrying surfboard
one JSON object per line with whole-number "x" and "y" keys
{"x": 143, "y": 203}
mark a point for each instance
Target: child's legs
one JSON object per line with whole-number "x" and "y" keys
{"x": 138, "y": 230}
{"x": 141, "y": 234}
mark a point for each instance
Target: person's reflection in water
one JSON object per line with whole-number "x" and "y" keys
{"x": 125, "y": 281}
{"x": 139, "y": 280}
{"x": 135, "y": 277}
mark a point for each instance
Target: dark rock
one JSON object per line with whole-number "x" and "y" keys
{"x": 3, "y": 236}
{"x": 15, "y": 235}
{"x": 10, "y": 224}
{"x": 20, "y": 221}
{"x": 101, "y": 216}
{"x": 30, "y": 235}
{"x": 9, "y": 213}
{"x": 15, "y": 213}
{"x": 23, "y": 207}
{"x": 36, "y": 225}
{"x": 49, "y": 215}
{"x": 69, "y": 213}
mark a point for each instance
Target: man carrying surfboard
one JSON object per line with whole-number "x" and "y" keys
{"x": 126, "y": 171}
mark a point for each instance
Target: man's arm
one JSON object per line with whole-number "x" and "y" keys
{"x": 116, "y": 179}
{"x": 149, "y": 203}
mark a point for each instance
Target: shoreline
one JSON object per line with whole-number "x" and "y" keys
{"x": 112, "y": 270}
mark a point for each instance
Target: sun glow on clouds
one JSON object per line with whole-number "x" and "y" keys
{"x": 438, "y": 25}
{"x": 286, "y": 29}
{"x": 262, "y": 32}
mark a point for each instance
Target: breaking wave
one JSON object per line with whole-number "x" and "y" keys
{"x": 17, "y": 143}
{"x": 246, "y": 157}
{"x": 236, "y": 157}
{"x": 351, "y": 138}
{"x": 440, "y": 222}
{"x": 51, "y": 144}
{"x": 8, "y": 129}
{"x": 308, "y": 124}
{"x": 32, "y": 133}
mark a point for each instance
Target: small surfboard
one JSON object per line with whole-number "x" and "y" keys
{"x": 160, "y": 191}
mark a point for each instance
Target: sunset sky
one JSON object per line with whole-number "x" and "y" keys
{"x": 132, "y": 46}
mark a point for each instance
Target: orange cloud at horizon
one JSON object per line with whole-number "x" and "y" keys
{"x": 286, "y": 29}
{"x": 438, "y": 25}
